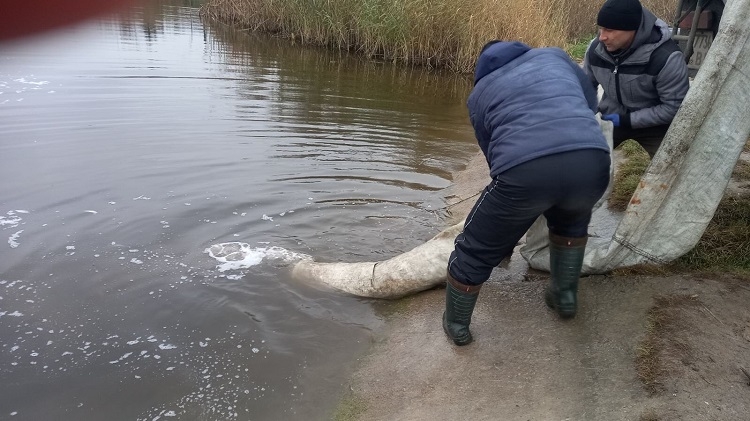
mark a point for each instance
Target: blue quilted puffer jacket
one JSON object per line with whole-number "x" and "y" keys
{"x": 528, "y": 103}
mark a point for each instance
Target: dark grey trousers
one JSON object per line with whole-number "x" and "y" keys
{"x": 563, "y": 187}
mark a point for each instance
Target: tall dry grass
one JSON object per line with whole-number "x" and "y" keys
{"x": 444, "y": 33}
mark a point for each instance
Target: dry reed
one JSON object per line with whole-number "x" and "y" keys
{"x": 438, "y": 33}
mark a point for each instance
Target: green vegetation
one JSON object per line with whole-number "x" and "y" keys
{"x": 724, "y": 246}
{"x": 436, "y": 33}
{"x": 350, "y": 408}
{"x": 628, "y": 175}
{"x": 577, "y": 48}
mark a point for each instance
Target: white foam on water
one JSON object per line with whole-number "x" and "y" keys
{"x": 238, "y": 255}
{"x": 31, "y": 82}
{"x": 50, "y": 348}
{"x": 12, "y": 239}
{"x": 12, "y": 219}
{"x": 126, "y": 355}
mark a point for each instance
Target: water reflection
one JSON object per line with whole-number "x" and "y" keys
{"x": 341, "y": 98}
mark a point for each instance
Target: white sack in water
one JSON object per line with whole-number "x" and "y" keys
{"x": 421, "y": 268}
{"x": 668, "y": 213}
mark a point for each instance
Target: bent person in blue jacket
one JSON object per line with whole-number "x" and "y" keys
{"x": 641, "y": 70}
{"x": 533, "y": 116}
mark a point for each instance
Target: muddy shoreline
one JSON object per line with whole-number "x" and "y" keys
{"x": 527, "y": 364}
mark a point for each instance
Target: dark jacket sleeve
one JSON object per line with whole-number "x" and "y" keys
{"x": 587, "y": 65}
{"x": 672, "y": 84}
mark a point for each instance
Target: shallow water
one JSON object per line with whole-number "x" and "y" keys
{"x": 130, "y": 148}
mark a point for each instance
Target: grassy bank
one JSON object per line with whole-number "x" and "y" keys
{"x": 724, "y": 246}
{"x": 438, "y": 33}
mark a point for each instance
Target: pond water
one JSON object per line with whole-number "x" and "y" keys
{"x": 128, "y": 147}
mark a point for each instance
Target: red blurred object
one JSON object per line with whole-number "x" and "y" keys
{"x": 705, "y": 21}
{"x": 27, "y": 17}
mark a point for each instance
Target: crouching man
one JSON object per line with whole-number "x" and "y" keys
{"x": 533, "y": 112}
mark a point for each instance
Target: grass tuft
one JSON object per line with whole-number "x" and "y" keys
{"x": 628, "y": 175}
{"x": 656, "y": 348}
{"x": 725, "y": 245}
{"x": 742, "y": 171}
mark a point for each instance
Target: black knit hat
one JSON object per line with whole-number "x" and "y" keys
{"x": 624, "y": 15}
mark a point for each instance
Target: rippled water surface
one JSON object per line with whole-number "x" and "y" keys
{"x": 128, "y": 148}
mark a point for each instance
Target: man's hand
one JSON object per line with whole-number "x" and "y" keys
{"x": 614, "y": 118}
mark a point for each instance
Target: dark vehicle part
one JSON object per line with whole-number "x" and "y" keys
{"x": 695, "y": 35}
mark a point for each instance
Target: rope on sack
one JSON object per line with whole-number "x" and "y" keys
{"x": 372, "y": 278}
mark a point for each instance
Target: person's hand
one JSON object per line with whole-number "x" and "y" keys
{"x": 614, "y": 118}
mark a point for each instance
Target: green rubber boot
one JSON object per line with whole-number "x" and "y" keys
{"x": 565, "y": 261}
{"x": 459, "y": 305}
